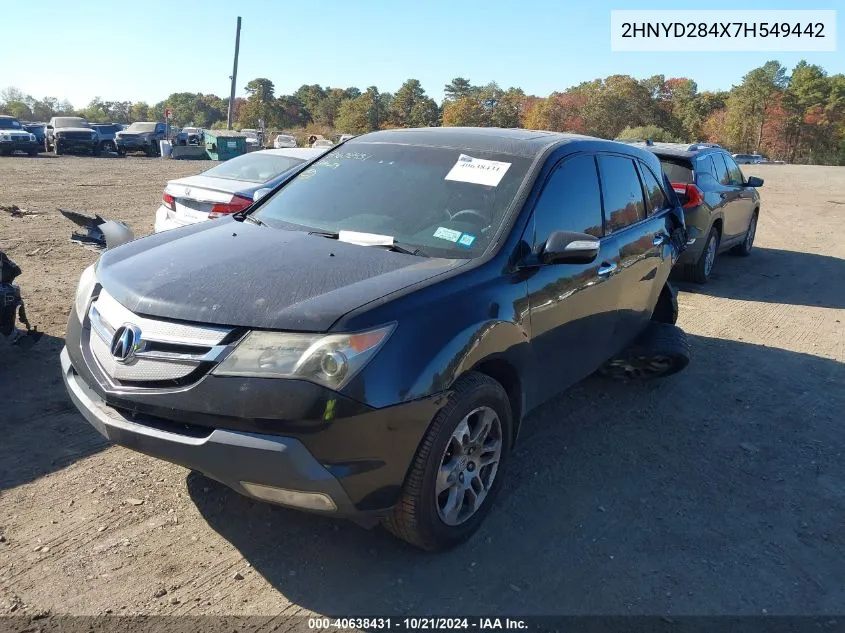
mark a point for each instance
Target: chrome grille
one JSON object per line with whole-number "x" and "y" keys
{"x": 163, "y": 350}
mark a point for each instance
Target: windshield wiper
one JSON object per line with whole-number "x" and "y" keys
{"x": 398, "y": 248}
{"x": 395, "y": 247}
{"x": 248, "y": 217}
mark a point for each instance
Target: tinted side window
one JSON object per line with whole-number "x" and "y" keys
{"x": 733, "y": 170}
{"x": 655, "y": 197}
{"x": 722, "y": 174}
{"x": 570, "y": 200}
{"x": 623, "y": 194}
{"x": 705, "y": 172}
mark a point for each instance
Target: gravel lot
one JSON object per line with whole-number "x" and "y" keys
{"x": 717, "y": 491}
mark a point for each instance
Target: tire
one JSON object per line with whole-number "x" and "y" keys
{"x": 121, "y": 152}
{"x": 662, "y": 350}
{"x": 46, "y": 145}
{"x": 700, "y": 271}
{"x": 95, "y": 149}
{"x": 744, "y": 249}
{"x": 420, "y": 516}
{"x": 58, "y": 150}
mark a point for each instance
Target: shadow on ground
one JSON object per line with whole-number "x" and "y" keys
{"x": 662, "y": 497}
{"x": 777, "y": 276}
{"x": 40, "y": 428}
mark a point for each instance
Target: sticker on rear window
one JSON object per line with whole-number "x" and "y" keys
{"x": 478, "y": 171}
{"x": 466, "y": 239}
{"x": 447, "y": 234}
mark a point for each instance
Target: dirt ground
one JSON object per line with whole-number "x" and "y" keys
{"x": 720, "y": 490}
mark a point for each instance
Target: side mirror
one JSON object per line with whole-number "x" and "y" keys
{"x": 569, "y": 247}
{"x": 753, "y": 181}
{"x": 260, "y": 194}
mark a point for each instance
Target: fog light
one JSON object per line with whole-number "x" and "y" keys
{"x": 294, "y": 498}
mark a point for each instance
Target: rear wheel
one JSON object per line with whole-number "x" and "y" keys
{"x": 744, "y": 249}
{"x": 57, "y": 149}
{"x": 701, "y": 270}
{"x": 662, "y": 350}
{"x": 458, "y": 468}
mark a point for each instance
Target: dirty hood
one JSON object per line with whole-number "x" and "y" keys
{"x": 240, "y": 274}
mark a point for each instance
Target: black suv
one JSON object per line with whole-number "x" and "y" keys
{"x": 721, "y": 206}
{"x": 366, "y": 340}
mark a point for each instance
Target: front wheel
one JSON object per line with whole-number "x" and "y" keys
{"x": 57, "y": 149}
{"x": 458, "y": 468}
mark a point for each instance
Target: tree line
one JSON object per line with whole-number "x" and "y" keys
{"x": 797, "y": 116}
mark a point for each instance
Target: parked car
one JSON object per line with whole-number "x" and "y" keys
{"x": 366, "y": 340}
{"x": 748, "y": 159}
{"x": 107, "y": 132}
{"x": 284, "y": 140}
{"x": 721, "y": 205}
{"x": 189, "y": 136}
{"x": 228, "y": 187}
{"x": 253, "y": 139}
{"x": 14, "y": 138}
{"x": 71, "y": 134}
{"x": 38, "y": 129}
{"x": 141, "y": 136}
{"x": 322, "y": 142}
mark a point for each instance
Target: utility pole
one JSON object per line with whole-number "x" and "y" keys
{"x": 234, "y": 77}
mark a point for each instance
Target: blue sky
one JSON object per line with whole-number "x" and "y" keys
{"x": 79, "y": 50}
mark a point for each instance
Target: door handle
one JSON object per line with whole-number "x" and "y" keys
{"x": 659, "y": 240}
{"x": 605, "y": 270}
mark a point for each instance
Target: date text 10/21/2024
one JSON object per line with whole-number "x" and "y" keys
{"x": 417, "y": 623}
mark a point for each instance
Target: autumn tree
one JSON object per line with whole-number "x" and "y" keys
{"x": 465, "y": 111}
{"x": 411, "y": 107}
{"x": 457, "y": 89}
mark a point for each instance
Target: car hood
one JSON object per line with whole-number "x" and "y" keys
{"x": 240, "y": 274}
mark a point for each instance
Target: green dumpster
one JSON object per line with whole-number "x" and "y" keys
{"x": 224, "y": 144}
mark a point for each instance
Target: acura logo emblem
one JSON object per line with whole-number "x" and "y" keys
{"x": 126, "y": 341}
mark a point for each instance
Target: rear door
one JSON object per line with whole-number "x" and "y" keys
{"x": 731, "y": 193}
{"x": 635, "y": 226}
{"x": 744, "y": 202}
{"x": 572, "y": 306}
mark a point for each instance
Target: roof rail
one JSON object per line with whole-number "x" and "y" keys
{"x": 695, "y": 146}
{"x": 633, "y": 141}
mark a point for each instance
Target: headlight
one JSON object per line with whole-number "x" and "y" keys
{"x": 32, "y": 138}
{"x": 87, "y": 281}
{"x": 5, "y": 137}
{"x": 328, "y": 359}
{"x": 93, "y": 135}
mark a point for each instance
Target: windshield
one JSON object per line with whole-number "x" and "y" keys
{"x": 258, "y": 168}
{"x": 141, "y": 127}
{"x": 70, "y": 121}
{"x": 10, "y": 124}
{"x": 437, "y": 199}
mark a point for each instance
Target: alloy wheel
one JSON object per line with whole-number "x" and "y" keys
{"x": 749, "y": 236}
{"x": 469, "y": 465}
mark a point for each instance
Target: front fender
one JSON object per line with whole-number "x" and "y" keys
{"x": 489, "y": 340}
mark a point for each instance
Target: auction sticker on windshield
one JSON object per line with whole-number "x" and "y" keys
{"x": 478, "y": 171}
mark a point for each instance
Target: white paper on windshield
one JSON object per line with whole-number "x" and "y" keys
{"x": 478, "y": 171}
{"x": 364, "y": 239}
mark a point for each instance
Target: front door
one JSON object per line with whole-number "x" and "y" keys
{"x": 572, "y": 306}
{"x": 735, "y": 203}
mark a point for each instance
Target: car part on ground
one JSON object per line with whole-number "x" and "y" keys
{"x": 662, "y": 350}
{"x": 12, "y": 307}
{"x": 365, "y": 340}
{"x": 100, "y": 234}
{"x": 721, "y": 205}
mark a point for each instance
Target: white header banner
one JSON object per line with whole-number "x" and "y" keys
{"x": 723, "y": 30}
